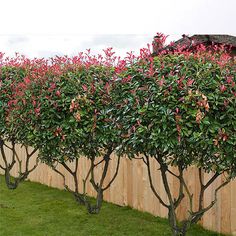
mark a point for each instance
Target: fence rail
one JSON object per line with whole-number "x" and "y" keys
{"x": 132, "y": 188}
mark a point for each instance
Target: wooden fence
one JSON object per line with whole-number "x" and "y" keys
{"x": 132, "y": 188}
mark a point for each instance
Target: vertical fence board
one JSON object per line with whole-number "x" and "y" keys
{"x": 233, "y": 208}
{"x": 226, "y": 208}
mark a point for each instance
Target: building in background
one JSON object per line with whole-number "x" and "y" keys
{"x": 187, "y": 43}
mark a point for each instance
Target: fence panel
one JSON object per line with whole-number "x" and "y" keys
{"x": 132, "y": 188}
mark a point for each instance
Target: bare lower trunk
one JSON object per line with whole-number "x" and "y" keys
{"x": 79, "y": 198}
{"x": 99, "y": 187}
{"x": 9, "y": 163}
{"x": 95, "y": 209}
{"x": 194, "y": 216}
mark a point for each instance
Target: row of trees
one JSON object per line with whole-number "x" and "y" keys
{"x": 178, "y": 108}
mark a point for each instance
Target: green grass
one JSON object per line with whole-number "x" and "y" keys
{"x": 37, "y": 210}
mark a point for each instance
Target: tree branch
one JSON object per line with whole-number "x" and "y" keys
{"x": 181, "y": 187}
{"x": 67, "y": 167}
{"x": 197, "y": 215}
{"x": 114, "y": 176}
{"x": 190, "y": 196}
{"x": 151, "y": 183}
{"x": 99, "y": 163}
{"x": 7, "y": 146}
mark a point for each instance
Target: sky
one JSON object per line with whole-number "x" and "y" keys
{"x": 44, "y": 28}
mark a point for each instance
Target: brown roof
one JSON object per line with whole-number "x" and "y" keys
{"x": 188, "y": 42}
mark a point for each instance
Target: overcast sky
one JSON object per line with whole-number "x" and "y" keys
{"x": 43, "y": 28}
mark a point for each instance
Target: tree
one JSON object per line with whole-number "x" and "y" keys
{"x": 94, "y": 111}
{"x": 72, "y": 117}
{"x": 179, "y": 108}
{"x": 12, "y": 84}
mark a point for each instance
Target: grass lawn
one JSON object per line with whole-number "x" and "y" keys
{"x": 37, "y": 210}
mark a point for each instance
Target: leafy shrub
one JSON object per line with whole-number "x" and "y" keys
{"x": 12, "y": 131}
{"x": 179, "y": 108}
